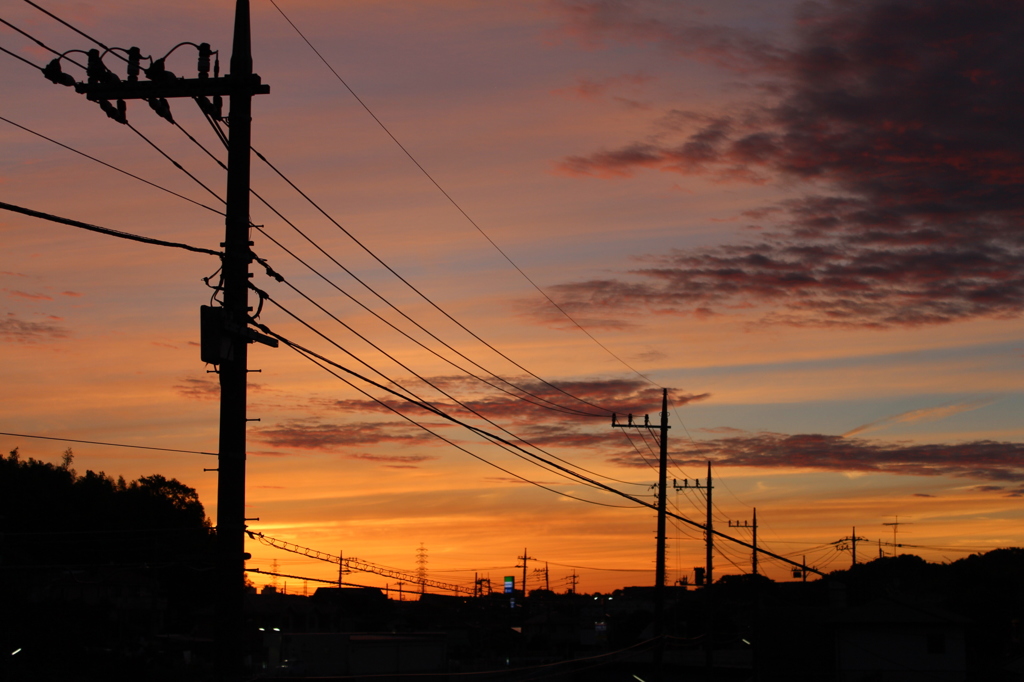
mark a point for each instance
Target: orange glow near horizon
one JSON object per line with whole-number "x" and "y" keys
{"x": 635, "y": 168}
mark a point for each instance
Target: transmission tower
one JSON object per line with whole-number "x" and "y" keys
{"x": 421, "y": 567}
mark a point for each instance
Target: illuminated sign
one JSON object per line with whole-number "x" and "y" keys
{"x": 510, "y": 584}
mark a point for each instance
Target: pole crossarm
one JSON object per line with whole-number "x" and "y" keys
{"x": 176, "y": 87}
{"x": 352, "y": 564}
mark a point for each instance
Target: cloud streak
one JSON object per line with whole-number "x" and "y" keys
{"x": 901, "y": 114}
{"x": 999, "y": 462}
{"x": 15, "y": 330}
{"x": 924, "y": 414}
{"x": 311, "y": 434}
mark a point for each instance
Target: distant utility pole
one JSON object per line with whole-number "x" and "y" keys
{"x": 544, "y": 572}
{"x": 853, "y": 540}
{"x": 709, "y": 529}
{"x": 753, "y": 528}
{"x": 574, "y": 581}
{"x": 226, "y": 331}
{"x": 659, "y": 570}
{"x": 526, "y": 557}
{"x": 659, "y": 574}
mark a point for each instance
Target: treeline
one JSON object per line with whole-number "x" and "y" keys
{"x": 99, "y": 576}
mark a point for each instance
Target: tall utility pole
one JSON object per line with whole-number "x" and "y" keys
{"x": 853, "y": 539}
{"x": 753, "y": 528}
{"x": 709, "y": 530}
{"x": 709, "y": 534}
{"x": 753, "y": 557}
{"x": 659, "y": 571}
{"x": 526, "y": 557}
{"x": 709, "y": 544}
{"x": 234, "y": 368}
{"x": 226, "y": 333}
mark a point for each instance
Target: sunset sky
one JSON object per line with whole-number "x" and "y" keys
{"x": 804, "y": 219}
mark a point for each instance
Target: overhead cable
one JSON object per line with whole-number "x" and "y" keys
{"x": 546, "y": 404}
{"x": 110, "y": 166}
{"x": 115, "y": 445}
{"x": 413, "y": 399}
{"x": 79, "y": 32}
{"x": 310, "y": 354}
{"x": 401, "y": 364}
{"x": 456, "y": 204}
{"x": 318, "y": 360}
{"x": 106, "y": 230}
{"x": 414, "y": 289}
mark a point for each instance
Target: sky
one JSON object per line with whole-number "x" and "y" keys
{"x": 803, "y": 219}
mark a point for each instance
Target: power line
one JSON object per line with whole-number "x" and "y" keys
{"x": 58, "y": 19}
{"x": 456, "y": 204}
{"x": 175, "y": 163}
{"x": 412, "y": 371}
{"x": 553, "y": 405}
{"x": 112, "y": 167}
{"x": 310, "y": 355}
{"x": 417, "y": 401}
{"x": 106, "y": 230}
{"x": 316, "y": 358}
{"x": 116, "y": 445}
{"x": 413, "y": 288}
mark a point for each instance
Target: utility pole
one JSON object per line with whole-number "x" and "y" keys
{"x": 853, "y": 539}
{"x": 575, "y": 580}
{"x": 526, "y": 557}
{"x": 226, "y": 332}
{"x": 659, "y": 573}
{"x": 753, "y": 557}
{"x": 709, "y": 531}
{"x": 753, "y": 527}
{"x": 659, "y": 570}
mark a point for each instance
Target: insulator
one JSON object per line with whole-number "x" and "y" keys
{"x": 161, "y": 107}
{"x": 134, "y": 66}
{"x": 204, "y": 60}
{"x": 118, "y": 113}
{"x": 54, "y": 74}
{"x": 158, "y": 71}
{"x": 98, "y": 71}
{"x": 96, "y": 68}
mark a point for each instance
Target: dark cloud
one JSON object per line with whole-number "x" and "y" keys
{"x": 310, "y": 434}
{"x": 903, "y": 114}
{"x": 15, "y": 330}
{"x": 922, "y": 495}
{"x": 532, "y": 401}
{"x": 985, "y": 460}
{"x": 203, "y": 388}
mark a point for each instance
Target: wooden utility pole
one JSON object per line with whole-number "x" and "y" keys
{"x": 526, "y": 557}
{"x": 659, "y": 570}
{"x": 226, "y": 332}
{"x": 753, "y": 542}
